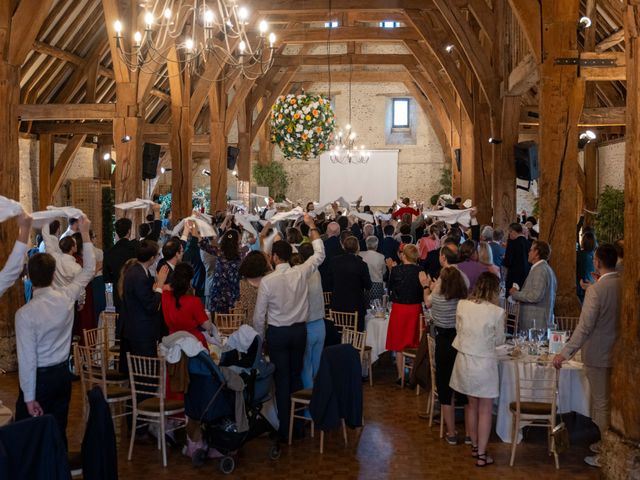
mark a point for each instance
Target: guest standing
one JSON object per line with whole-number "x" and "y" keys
{"x": 252, "y": 270}
{"x": 538, "y": 295}
{"x": 515, "y": 257}
{"x": 585, "y": 262}
{"x": 315, "y": 324}
{"x": 406, "y": 293}
{"x": 596, "y": 336}
{"x": 43, "y": 335}
{"x": 485, "y": 257}
{"x": 225, "y": 289}
{"x": 469, "y": 264}
{"x": 376, "y": 265}
{"x": 332, "y": 248}
{"x": 480, "y": 328}
{"x": 442, "y": 297}
{"x": 350, "y": 279}
{"x": 283, "y": 303}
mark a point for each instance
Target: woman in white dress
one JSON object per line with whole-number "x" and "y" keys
{"x": 479, "y": 329}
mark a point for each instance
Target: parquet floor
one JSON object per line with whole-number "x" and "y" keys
{"x": 394, "y": 444}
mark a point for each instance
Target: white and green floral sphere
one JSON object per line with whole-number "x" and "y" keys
{"x": 302, "y": 125}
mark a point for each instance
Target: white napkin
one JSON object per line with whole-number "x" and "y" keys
{"x": 135, "y": 204}
{"x": 367, "y": 217}
{"x": 43, "y": 217}
{"x": 245, "y": 220}
{"x": 290, "y": 215}
{"x": 382, "y": 216}
{"x": 9, "y": 208}
{"x": 463, "y": 217}
{"x": 206, "y": 229}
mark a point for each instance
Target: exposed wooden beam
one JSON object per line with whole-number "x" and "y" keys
{"x": 356, "y": 77}
{"x": 617, "y": 72}
{"x": 523, "y": 77}
{"x": 342, "y": 34}
{"x": 112, "y": 12}
{"x": 44, "y": 170}
{"x": 591, "y": 117}
{"x": 25, "y": 25}
{"x": 530, "y": 19}
{"x": 293, "y": 6}
{"x": 278, "y": 90}
{"x": 484, "y": 16}
{"x": 345, "y": 59}
{"x": 63, "y": 164}
{"x": 77, "y": 111}
{"x": 611, "y": 41}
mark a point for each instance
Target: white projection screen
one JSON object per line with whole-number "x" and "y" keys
{"x": 376, "y": 181}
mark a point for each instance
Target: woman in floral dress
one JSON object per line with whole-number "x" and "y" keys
{"x": 225, "y": 289}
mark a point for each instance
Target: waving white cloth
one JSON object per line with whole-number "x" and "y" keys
{"x": 290, "y": 215}
{"x": 245, "y": 220}
{"x": 206, "y": 229}
{"x": 135, "y": 204}
{"x": 204, "y": 216}
{"x": 463, "y": 217}
{"x": 43, "y": 217}
{"x": 382, "y": 216}
{"x": 241, "y": 339}
{"x": 367, "y": 217}
{"x": 9, "y": 208}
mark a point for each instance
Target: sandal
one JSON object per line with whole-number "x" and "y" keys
{"x": 474, "y": 451}
{"x": 484, "y": 460}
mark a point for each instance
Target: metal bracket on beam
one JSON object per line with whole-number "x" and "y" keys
{"x": 586, "y": 62}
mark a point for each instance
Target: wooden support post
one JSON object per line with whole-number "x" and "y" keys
{"x": 218, "y": 147}
{"x": 466, "y": 165}
{"x": 243, "y": 166}
{"x": 621, "y": 446}
{"x": 561, "y": 102}
{"x": 101, "y": 166}
{"x": 180, "y": 138}
{"x": 44, "y": 170}
{"x": 482, "y": 159}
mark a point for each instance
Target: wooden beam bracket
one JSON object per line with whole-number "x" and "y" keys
{"x": 586, "y": 62}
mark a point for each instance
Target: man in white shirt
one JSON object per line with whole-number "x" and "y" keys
{"x": 62, "y": 252}
{"x": 54, "y": 229}
{"x": 43, "y": 336}
{"x": 71, "y": 229}
{"x": 15, "y": 262}
{"x": 283, "y": 304}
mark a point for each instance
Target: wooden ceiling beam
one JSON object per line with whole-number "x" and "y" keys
{"x": 616, "y": 72}
{"x": 77, "y": 111}
{"x": 323, "y": 16}
{"x": 25, "y": 25}
{"x": 294, "y": 6}
{"x": 591, "y": 117}
{"x": 356, "y": 77}
{"x": 111, "y": 11}
{"x": 342, "y": 34}
{"x": 63, "y": 164}
{"x": 345, "y": 59}
{"x": 530, "y": 20}
{"x": 611, "y": 41}
{"x": 523, "y": 77}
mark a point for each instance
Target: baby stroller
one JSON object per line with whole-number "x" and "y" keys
{"x": 210, "y": 401}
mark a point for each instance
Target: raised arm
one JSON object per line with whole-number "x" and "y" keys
{"x": 76, "y": 288}
{"x": 51, "y": 243}
{"x": 156, "y": 225}
{"x": 315, "y": 260}
{"x": 13, "y": 267}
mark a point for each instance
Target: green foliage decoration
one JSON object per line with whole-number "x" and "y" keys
{"x": 274, "y": 176}
{"x": 609, "y": 221}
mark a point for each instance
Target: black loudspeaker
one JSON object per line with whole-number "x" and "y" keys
{"x": 150, "y": 157}
{"x": 232, "y": 157}
{"x": 526, "y": 158}
{"x": 458, "y": 154}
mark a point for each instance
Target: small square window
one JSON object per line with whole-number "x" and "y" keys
{"x": 400, "y": 113}
{"x": 389, "y": 24}
{"x": 332, "y": 24}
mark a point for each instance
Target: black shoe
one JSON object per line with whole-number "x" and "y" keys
{"x": 365, "y": 379}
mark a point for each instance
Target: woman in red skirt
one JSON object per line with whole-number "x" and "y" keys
{"x": 406, "y": 293}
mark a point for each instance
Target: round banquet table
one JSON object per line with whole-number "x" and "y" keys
{"x": 376, "y": 328}
{"x": 573, "y": 394}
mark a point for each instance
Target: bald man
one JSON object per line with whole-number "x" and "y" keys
{"x": 332, "y": 248}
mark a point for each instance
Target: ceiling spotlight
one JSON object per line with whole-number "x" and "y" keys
{"x": 164, "y": 170}
{"x": 206, "y": 172}
{"x": 106, "y": 156}
{"x": 584, "y": 22}
{"x": 126, "y": 139}
{"x": 449, "y": 48}
{"x": 585, "y": 138}
{"x": 495, "y": 141}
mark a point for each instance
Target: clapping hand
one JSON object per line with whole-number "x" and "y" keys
{"x": 557, "y": 361}
{"x": 390, "y": 263}
{"x": 584, "y": 284}
{"x": 161, "y": 278}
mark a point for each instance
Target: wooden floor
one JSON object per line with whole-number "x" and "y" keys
{"x": 394, "y": 444}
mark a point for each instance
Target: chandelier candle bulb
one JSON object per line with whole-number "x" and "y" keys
{"x": 148, "y": 20}
{"x": 208, "y": 19}
{"x": 167, "y": 13}
{"x": 263, "y": 27}
{"x": 272, "y": 39}
{"x": 242, "y": 47}
{"x": 137, "y": 38}
{"x": 188, "y": 44}
{"x": 117, "y": 26}
{"x": 243, "y": 13}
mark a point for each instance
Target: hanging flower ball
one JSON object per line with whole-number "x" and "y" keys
{"x": 302, "y": 125}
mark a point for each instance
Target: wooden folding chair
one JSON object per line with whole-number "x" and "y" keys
{"x": 327, "y": 303}
{"x": 227, "y": 323}
{"x": 98, "y": 338}
{"x": 433, "y": 397}
{"x": 567, "y": 324}
{"x": 536, "y": 401}
{"x": 358, "y": 340}
{"x": 342, "y": 320}
{"x": 148, "y": 388}
{"x": 409, "y": 354}
{"x": 513, "y": 315}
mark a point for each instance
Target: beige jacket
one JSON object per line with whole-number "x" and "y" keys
{"x": 598, "y": 326}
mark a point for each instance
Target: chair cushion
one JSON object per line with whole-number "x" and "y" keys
{"x": 117, "y": 392}
{"x": 302, "y": 394}
{"x": 153, "y": 405}
{"x": 532, "y": 408}
{"x": 116, "y": 376}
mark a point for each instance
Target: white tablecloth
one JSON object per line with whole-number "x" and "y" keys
{"x": 573, "y": 394}
{"x": 376, "y": 328}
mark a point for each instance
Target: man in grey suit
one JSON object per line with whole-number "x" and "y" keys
{"x": 538, "y": 295}
{"x": 596, "y": 334}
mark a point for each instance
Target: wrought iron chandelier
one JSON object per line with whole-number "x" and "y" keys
{"x": 201, "y": 31}
{"x": 346, "y": 150}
